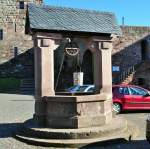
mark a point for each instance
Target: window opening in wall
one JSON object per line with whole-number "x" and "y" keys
{"x": 15, "y": 27}
{"x": 1, "y": 34}
{"x": 21, "y": 4}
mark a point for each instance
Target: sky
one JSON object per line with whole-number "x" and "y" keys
{"x": 135, "y": 12}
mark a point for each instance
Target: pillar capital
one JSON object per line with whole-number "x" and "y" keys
{"x": 43, "y": 40}
{"x": 100, "y": 43}
{"x": 105, "y": 45}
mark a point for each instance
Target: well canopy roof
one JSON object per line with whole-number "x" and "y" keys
{"x": 71, "y": 19}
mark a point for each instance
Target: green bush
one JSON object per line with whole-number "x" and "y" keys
{"x": 9, "y": 84}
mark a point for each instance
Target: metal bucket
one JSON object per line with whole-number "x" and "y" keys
{"x": 78, "y": 78}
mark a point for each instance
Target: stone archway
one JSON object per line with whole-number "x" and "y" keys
{"x": 87, "y": 67}
{"x": 145, "y": 50}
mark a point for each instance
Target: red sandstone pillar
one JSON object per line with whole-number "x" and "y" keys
{"x": 102, "y": 47}
{"x": 105, "y": 48}
{"x": 44, "y": 64}
{"x": 44, "y": 71}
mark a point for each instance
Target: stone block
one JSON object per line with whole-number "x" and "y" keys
{"x": 105, "y": 45}
{"x": 45, "y": 42}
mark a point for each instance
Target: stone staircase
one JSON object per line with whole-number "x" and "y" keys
{"x": 27, "y": 87}
{"x": 126, "y": 76}
{"x": 129, "y": 78}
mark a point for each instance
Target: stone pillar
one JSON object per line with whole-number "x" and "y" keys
{"x": 44, "y": 69}
{"x": 97, "y": 70}
{"x": 102, "y": 48}
{"x": 45, "y": 44}
{"x": 44, "y": 65}
{"x": 105, "y": 48}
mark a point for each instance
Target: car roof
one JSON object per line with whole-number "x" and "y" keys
{"x": 127, "y": 85}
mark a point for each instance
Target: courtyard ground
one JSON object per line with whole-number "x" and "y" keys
{"x": 15, "y": 109}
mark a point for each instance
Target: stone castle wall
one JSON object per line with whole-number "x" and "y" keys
{"x": 127, "y": 49}
{"x": 12, "y": 22}
{"x": 130, "y": 35}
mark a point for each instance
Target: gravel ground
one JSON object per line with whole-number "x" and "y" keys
{"x": 15, "y": 109}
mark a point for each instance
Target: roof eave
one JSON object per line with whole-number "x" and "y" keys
{"x": 34, "y": 30}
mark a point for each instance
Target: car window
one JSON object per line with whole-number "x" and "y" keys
{"x": 138, "y": 91}
{"x": 123, "y": 90}
{"x": 126, "y": 91}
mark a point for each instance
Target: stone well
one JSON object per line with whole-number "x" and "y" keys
{"x": 71, "y": 120}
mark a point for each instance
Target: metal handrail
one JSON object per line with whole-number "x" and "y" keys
{"x": 124, "y": 74}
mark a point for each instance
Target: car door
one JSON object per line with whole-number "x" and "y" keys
{"x": 121, "y": 95}
{"x": 145, "y": 103}
{"x": 138, "y": 95}
{"x": 126, "y": 97}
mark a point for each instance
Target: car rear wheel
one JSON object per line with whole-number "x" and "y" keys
{"x": 117, "y": 107}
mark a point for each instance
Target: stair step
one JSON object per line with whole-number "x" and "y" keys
{"x": 27, "y": 86}
{"x": 128, "y": 131}
{"x": 27, "y": 89}
{"x": 65, "y": 142}
{"x": 27, "y": 93}
{"x": 27, "y": 82}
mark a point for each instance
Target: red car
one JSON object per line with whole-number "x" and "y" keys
{"x": 130, "y": 97}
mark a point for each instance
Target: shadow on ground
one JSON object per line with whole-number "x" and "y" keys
{"x": 119, "y": 144}
{"x": 134, "y": 111}
{"x": 9, "y": 129}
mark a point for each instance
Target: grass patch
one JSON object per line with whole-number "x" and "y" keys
{"x": 9, "y": 85}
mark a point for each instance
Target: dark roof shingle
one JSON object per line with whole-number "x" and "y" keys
{"x": 71, "y": 19}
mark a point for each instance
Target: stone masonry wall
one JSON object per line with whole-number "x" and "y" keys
{"x": 127, "y": 49}
{"x": 130, "y": 35}
{"x": 12, "y": 22}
